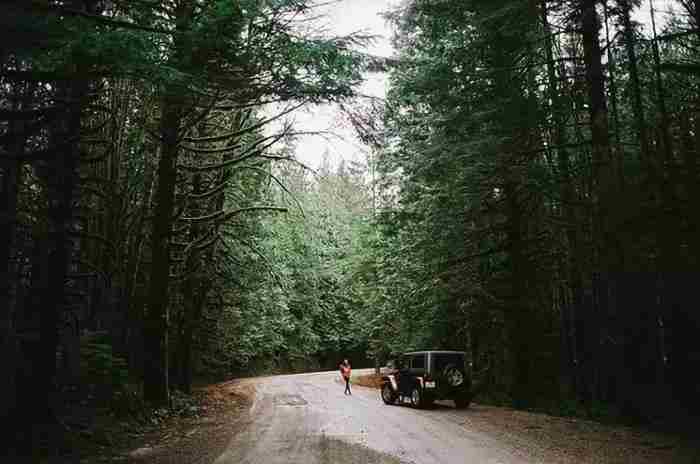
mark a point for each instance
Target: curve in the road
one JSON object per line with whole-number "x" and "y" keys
{"x": 307, "y": 419}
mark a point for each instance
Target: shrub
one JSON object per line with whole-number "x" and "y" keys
{"x": 99, "y": 364}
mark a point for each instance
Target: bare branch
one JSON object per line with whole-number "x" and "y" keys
{"x": 222, "y": 216}
{"x": 247, "y": 130}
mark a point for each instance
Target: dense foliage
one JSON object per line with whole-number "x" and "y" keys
{"x": 545, "y": 156}
{"x": 139, "y": 150}
{"x": 531, "y": 198}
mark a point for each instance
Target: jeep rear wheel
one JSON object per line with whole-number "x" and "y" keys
{"x": 416, "y": 397}
{"x": 388, "y": 395}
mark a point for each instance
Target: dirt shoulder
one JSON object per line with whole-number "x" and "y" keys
{"x": 196, "y": 430}
{"x": 570, "y": 440}
{"x": 222, "y": 412}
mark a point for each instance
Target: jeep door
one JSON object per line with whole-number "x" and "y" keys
{"x": 415, "y": 367}
{"x": 404, "y": 375}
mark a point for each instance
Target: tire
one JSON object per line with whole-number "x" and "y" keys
{"x": 453, "y": 376}
{"x": 416, "y": 397}
{"x": 388, "y": 394}
{"x": 462, "y": 402}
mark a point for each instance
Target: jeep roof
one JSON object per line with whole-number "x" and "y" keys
{"x": 432, "y": 351}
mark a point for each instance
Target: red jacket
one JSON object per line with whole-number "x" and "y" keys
{"x": 345, "y": 370}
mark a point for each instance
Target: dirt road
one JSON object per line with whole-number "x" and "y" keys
{"x": 307, "y": 419}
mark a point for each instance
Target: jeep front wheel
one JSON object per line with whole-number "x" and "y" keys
{"x": 416, "y": 397}
{"x": 388, "y": 395}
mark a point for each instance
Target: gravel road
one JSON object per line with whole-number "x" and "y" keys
{"x": 307, "y": 419}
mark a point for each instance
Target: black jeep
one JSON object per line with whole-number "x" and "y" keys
{"x": 426, "y": 376}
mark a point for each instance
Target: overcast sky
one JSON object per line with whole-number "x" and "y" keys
{"x": 347, "y": 16}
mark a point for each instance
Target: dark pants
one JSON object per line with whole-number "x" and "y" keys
{"x": 347, "y": 386}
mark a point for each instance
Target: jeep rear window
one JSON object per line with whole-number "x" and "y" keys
{"x": 440, "y": 361}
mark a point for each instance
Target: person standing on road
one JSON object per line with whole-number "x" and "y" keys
{"x": 345, "y": 371}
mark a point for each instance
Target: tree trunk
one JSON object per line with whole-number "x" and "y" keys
{"x": 136, "y": 279}
{"x": 619, "y": 152}
{"x": 38, "y": 326}
{"x": 10, "y": 180}
{"x": 189, "y": 291}
{"x": 608, "y": 257}
{"x": 156, "y": 319}
{"x": 197, "y": 287}
{"x": 691, "y": 149}
{"x": 628, "y": 33}
{"x": 519, "y": 315}
{"x": 570, "y": 305}
{"x": 603, "y": 167}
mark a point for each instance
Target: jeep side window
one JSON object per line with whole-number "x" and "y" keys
{"x": 418, "y": 362}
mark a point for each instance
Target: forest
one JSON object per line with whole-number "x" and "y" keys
{"x": 531, "y": 197}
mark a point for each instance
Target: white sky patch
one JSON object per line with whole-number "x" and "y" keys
{"x": 663, "y": 10}
{"x": 344, "y": 17}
